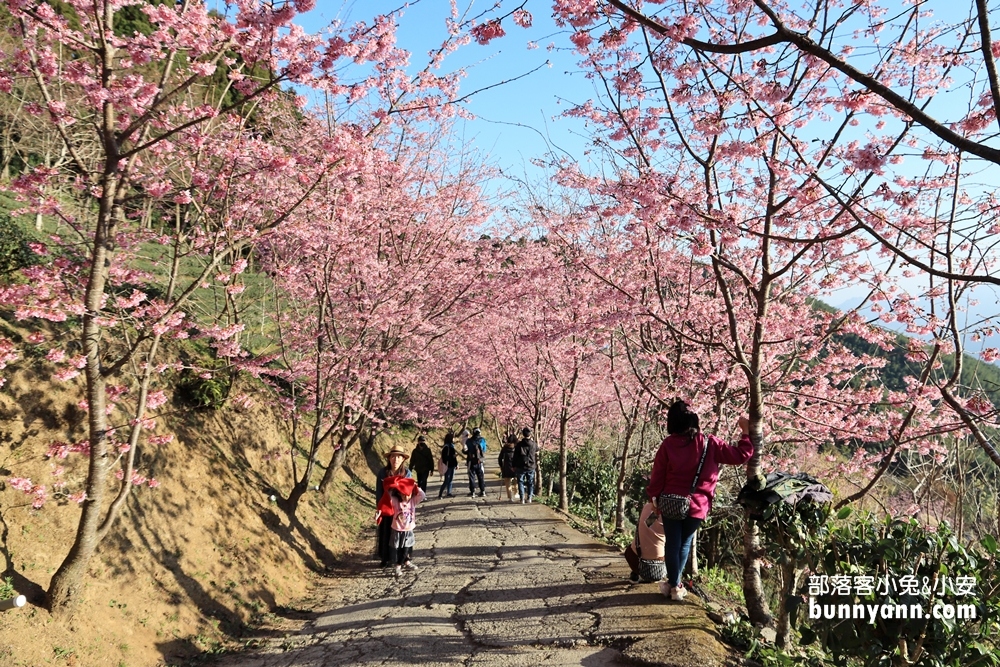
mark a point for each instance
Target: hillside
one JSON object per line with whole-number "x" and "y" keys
{"x": 975, "y": 373}
{"x": 194, "y": 565}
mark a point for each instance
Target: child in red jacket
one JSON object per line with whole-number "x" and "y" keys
{"x": 405, "y": 495}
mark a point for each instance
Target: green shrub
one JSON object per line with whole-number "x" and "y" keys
{"x": 721, "y": 584}
{"x": 592, "y": 476}
{"x": 203, "y": 393}
{"x": 890, "y": 550}
{"x": 14, "y": 251}
{"x": 7, "y": 589}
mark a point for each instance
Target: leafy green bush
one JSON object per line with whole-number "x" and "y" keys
{"x": 720, "y": 584}
{"x": 548, "y": 466}
{"x": 7, "y": 588}
{"x": 927, "y": 560}
{"x": 14, "y": 251}
{"x": 744, "y": 636}
{"x": 635, "y": 491}
{"x": 593, "y": 478}
{"x": 203, "y": 392}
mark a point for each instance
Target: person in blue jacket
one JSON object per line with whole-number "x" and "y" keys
{"x": 475, "y": 454}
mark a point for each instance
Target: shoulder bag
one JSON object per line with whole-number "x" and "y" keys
{"x": 674, "y": 507}
{"x": 649, "y": 569}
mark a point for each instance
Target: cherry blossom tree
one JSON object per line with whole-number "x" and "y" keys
{"x": 543, "y": 342}
{"x": 919, "y": 92}
{"x": 371, "y": 279}
{"x": 719, "y": 192}
{"x": 187, "y": 120}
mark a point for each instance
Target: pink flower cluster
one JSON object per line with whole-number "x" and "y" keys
{"x": 37, "y": 491}
{"x": 61, "y": 450}
{"x": 156, "y": 399}
{"x": 484, "y": 33}
{"x": 8, "y": 353}
{"x": 137, "y": 479}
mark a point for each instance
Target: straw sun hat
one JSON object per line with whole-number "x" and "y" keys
{"x": 396, "y": 449}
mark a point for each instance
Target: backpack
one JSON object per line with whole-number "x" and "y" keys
{"x": 473, "y": 452}
{"x": 783, "y": 487}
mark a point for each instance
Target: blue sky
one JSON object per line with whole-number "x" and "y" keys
{"x": 516, "y": 121}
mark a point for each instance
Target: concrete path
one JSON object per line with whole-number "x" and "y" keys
{"x": 498, "y": 584}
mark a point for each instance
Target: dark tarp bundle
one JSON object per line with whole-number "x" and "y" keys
{"x": 783, "y": 487}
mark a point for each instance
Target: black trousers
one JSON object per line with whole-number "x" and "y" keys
{"x": 476, "y": 472}
{"x": 383, "y": 546}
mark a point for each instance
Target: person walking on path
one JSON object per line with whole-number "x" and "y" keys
{"x": 676, "y": 469}
{"x": 404, "y": 495}
{"x": 450, "y": 458}
{"x": 475, "y": 453}
{"x": 395, "y": 467}
{"x": 525, "y": 455}
{"x": 422, "y": 462}
{"x": 497, "y": 586}
{"x": 506, "y": 462}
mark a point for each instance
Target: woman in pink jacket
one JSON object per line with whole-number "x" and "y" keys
{"x": 674, "y": 470}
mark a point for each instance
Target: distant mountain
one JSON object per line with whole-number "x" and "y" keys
{"x": 975, "y": 373}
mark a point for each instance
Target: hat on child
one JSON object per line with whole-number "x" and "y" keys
{"x": 405, "y": 485}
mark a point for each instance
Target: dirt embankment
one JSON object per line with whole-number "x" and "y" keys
{"x": 198, "y": 564}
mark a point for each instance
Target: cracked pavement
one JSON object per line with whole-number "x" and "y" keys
{"x": 498, "y": 584}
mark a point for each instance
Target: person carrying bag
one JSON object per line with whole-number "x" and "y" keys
{"x": 687, "y": 454}
{"x": 674, "y": 507}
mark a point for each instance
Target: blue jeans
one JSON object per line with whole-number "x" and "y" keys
{"x": 526, "y": 484}
{"x": 449, "y": 476}
{"x": 677, "y": 546}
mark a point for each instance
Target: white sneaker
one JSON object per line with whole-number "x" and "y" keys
{"x": 410, "y": 566}
{"x": 399, "y": 571}
{"x": 678, "y": 593}
{"x": 665, "y": 588}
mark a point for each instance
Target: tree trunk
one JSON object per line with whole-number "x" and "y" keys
{"x": 712, "y": 557}
{"x": 66, "y": 581}
{"x": 789, "y": 581}
{"x": 340, "y": 456}
{"x": 753, "y": 587}
{"x": 336, "y": 463}
{"x": 291, "y": 504}
{"x": 563, "y": 467}
{"x": 623, "y": 471}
